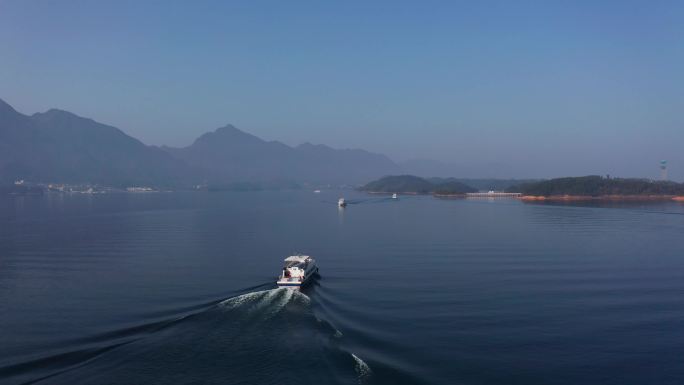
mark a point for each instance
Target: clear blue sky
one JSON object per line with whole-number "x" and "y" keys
{"x": 539, "y": 88}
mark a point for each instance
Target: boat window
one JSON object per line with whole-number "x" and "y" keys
{"x": 295, "y": 264}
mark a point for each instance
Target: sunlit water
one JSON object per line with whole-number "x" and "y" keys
{"x": 178, "y": 288}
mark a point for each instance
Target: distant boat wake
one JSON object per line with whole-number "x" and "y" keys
{"x": 365, "y": 201}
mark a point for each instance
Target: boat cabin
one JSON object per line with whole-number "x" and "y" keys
{"x": 297, "y": 271}
{"x": 296, "y": 266}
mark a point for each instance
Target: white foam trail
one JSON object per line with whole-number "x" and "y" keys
{"x": 242, "y": 299}
{"x": 362, "y": 369}
{"x": 283, "y": 296}
{"x": 267, "y": 300}
{"x": 278, "y": 301}
{"x": 273, "y": 301}
{"x": 298, "y": 294}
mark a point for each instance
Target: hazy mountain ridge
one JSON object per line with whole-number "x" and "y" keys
{"x": 59, "y": 146}
{"x": 229, "y": 154}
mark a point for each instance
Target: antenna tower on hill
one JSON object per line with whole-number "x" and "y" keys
{"x": 663, "y": 170}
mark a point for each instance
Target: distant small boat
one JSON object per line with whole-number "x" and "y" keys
{"x": 317, "y": 191}
{"x": 297, "y": 272}
{"x": 394, "y": 196}
{"x": 341, "y": 203}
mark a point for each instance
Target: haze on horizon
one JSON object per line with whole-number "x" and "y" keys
{"x": 499, "y": 89}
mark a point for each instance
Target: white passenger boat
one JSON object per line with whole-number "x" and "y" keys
{"x": 341, "y": 203}
{"x": 394, "y": 196}
{"x": 297, "y": 272}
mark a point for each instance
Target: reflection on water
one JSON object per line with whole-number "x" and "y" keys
{"x": 179, "y": 288}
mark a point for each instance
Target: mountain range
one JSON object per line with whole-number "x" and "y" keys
{"x": 59, "y": 146}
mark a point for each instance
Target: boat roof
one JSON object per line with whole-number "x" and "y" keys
{"x": 297, "y": 258}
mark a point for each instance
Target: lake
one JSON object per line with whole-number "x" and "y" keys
{"x": 179, "y": 288}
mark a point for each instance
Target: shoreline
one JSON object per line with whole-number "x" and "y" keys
{"x": 613, "y": 198}
{"x": 558, "y": 198}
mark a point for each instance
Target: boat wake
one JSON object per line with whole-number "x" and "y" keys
{"x": 267, "y": 303}
{"x": 267, "y": 336}
{"x": 363, "y": 370}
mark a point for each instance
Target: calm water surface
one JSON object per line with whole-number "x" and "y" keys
{"x": 178, "y": 288}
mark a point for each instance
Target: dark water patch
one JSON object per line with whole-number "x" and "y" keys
{"x": 53, "y": 365}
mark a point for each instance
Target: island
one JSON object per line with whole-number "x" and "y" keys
{"x": 410, "y": 184}
{"x": 596, "y": 187}
{"x": 583, "y": 188}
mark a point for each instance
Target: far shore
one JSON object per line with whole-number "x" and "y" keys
{"x": 557, "y": 198}
{"x": 575, "y": 198}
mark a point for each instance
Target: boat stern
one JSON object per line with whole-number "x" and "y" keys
{"x": 290, "y": 283}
